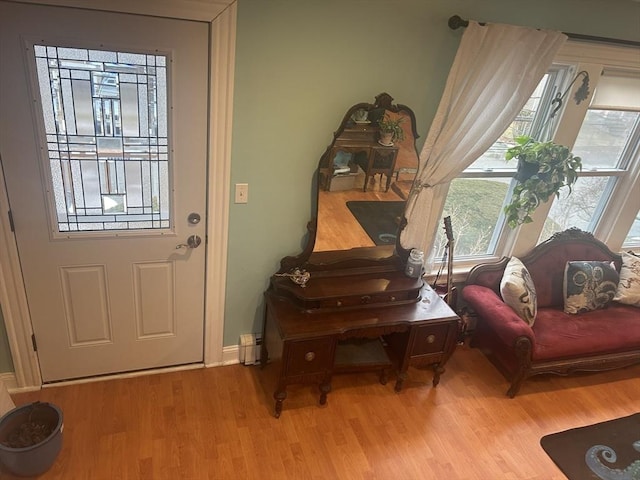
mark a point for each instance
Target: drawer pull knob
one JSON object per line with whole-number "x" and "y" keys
{"x": 393, "y": 299}
{"x": 309, "y": 356}
{"x": 365, "y": 299}
{"x": 339, "y": 303}
{"x": 431, "y": 338}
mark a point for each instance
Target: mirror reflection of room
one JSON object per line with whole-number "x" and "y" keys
{"x": 364, "y": 180}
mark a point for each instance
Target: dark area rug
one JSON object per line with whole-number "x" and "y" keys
{"x": 379, "y": 219}
{"x": 604, "y": 451}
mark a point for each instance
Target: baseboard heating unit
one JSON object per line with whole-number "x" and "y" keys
{"x": 250, "y": 348}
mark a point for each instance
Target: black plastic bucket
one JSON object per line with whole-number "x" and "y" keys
{"x": 37, "y": 458}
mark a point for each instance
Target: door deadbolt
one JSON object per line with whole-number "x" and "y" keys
{"x": 194, "y": 218}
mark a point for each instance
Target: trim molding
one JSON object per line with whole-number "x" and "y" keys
{"x": 620, "y": 56}
{"x": 197, "y": 10}
{"x": 13, "y": 299}
{"x": 222, "y": 41}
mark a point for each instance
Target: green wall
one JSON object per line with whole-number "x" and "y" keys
{"x": 6, "y": 364}
{"x": 301, "y": 63}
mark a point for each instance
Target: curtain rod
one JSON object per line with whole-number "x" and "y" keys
{"x": 456, "y": 22}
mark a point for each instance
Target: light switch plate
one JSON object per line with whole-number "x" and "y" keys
{"x": 242, "y": 192}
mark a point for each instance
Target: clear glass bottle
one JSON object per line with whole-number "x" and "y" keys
{"x": 414, "y": 264}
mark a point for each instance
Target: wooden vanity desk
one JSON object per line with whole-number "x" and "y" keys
{"x": 304, "y": 346}
{"x": 330, "y": 312}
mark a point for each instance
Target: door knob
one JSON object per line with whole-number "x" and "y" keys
{"x": 193, "y": 241}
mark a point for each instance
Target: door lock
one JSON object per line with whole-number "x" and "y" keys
{"x": 193, "y": 241}
{"x": 193, "y": 218}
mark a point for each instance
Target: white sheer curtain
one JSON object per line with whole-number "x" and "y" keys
{"x": 495, "y": 71}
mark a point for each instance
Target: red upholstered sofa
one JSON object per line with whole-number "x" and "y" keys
{"x": 558, "y": 342}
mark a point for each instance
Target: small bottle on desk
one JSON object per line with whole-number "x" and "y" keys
{"x": 414, "y": 264}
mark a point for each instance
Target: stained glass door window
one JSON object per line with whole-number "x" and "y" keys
{"x": 105, "y": 118}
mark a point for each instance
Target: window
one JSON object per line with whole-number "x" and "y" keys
{"x": 604, "y": 143}
{"x": 605, "y": 133}
{"x": 476, "y": 198}
{"x": 633, "y": 237}
{"x": 607, "y": 142}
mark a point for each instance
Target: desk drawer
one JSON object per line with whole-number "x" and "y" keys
{"x": 385, "y": 298}
{"x": 308, "y": 357}
{"x": 430, "y": 339}
{"x": 362, "y": 133}
{"x": 361, "y": 300}
{"x": 383, "y": 157}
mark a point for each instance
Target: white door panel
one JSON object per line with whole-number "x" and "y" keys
{"x": 122, "y": 299}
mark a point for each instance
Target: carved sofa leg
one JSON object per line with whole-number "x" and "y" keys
{"x": 515, "y": 385}
{"x": 523, "y": 349}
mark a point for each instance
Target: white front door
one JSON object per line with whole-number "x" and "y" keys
{"x": 103, "y": 141}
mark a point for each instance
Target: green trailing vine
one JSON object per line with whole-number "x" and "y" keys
{"x": 543, "y": 169}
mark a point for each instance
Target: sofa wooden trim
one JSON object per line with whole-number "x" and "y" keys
{"x": 521, "y": 348}
{"x": 572, "y": 235}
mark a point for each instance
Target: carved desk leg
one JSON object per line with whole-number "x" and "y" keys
{"x": 384, "y": 376}
{"x": 402, "y": 376}
{"x": 437, "y": 371}
{"x": 325, "y": 388}
{"x": 280, "y": 395}
{"x": 389, "y": 177}
{"x": 264, "y": 355}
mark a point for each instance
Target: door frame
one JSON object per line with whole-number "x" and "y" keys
{"x": 221, "y": 16}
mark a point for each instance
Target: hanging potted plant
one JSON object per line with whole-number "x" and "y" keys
{"x": 390, "y": 130}
{"x": 543, "y": 169}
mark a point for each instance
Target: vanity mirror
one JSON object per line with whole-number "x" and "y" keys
{"x": 362, "y": 186}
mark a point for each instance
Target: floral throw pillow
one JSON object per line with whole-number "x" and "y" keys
{"x": 518, "y": 291}
{"x": 588, "y": 286}
{"x": 628, "y": 291}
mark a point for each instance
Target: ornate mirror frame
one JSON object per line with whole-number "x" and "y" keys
{"x": 358, "y": 133}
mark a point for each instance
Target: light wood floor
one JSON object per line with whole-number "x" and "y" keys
{"x": 217, "y": 423}
{"x": 338, "y": 229}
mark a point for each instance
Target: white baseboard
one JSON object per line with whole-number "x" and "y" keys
{"x": 9, "y": 380}
{"x": 230, "y": 356}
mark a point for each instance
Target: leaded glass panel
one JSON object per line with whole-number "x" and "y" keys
{"x": 105, "y": 117}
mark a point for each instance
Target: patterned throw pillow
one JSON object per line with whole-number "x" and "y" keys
{"x": 518, "y": 291}
{"x": 629, "y": 286}
{"x": 588, "y": 286}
